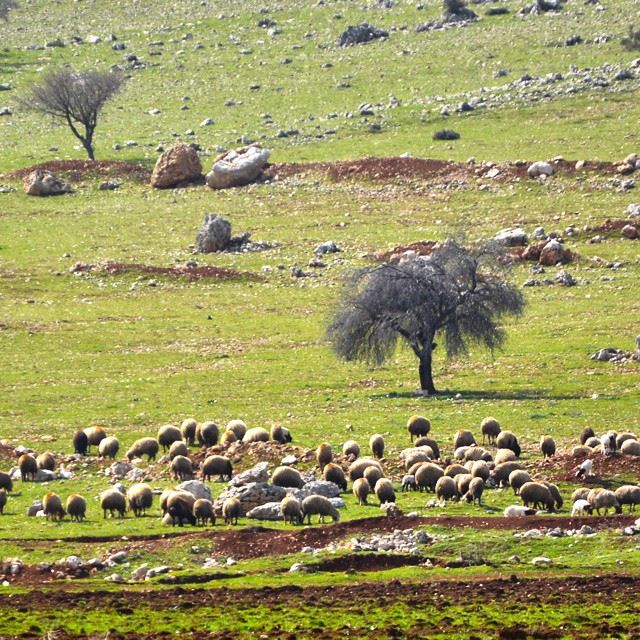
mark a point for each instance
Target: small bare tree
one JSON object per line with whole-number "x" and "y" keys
{"x": 5, "y": 7}
{"x": 76, "y": 98}
{"x": 456, "y": 292}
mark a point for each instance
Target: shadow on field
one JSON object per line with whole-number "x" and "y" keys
{"x": 464, "y": 394}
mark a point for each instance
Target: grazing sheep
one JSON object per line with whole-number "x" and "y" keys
{"x": 287, "y": 477}
{"x": 463, "y": 438}
{"x": 46, "y": 461}
{"x": 180, "y": 508}
{"x": 418, "y": 456}
{"x": 321, "y": 506}
{"x": 428, "y": 475}
{"x": 592, "y": 442}
{"x": 231, "y": 510}
{"x": 178, "y": 448}
{"x": 454, "y": 469}
{"x": 477, "y": 453}
{"x": 630, "y": 448}
{"x": 480, "y": 469}
{"x": 166, "y": 494}
{"x": 462, "y": 480}
{"x": 334, "y": 473}
{"x": 507, "y": 440}
{"x": 238, "y": 427}
{"x": 372, "y": 475}
{"x": 188, "y": 430}
{"x": 356, "y": 469}
{"x": 423, "y": 441}
{"x": 623, "y": 437}
{"x": 28, "y": 467}
{"x": 228, "y": 437}
{"x": 555, "y": 493}
{"x": 207, "y": 434}
{"x": 80, "y": 442}
{"x": 581, "y": 507}
{"x": 203, "y": 511}
{"x": 76, "y": 507}
{"x": 414, "y": 469}
{"x": 580, "y": 494}
{"x": 94, "y": 436}
{"x": 580, "y": 451}
{"x": 608, "y": 443}
{"x": 140, "y": 498}
{"x": 409, "y": 483}
{"x": 351, "y": 449}
{"x": 216, "y": 465}
{"x": 517, "y": 478}
{"x": 143, "y": 447}
{"x": 490, "y": 430}
{"x": 376, "y": 444}
{"x": 52, "y": 506}
{"x": 108, "y": 447}
{"x": 547, "y": 446}
{"x": 112, "y": 500}
{"x": 628, "y": 494}
{"x": 475, "y": 491}
{"x": 537, "y": 494}
{"x": 446, "y": 489}
{"x": 584, "y": 470}
{"x": 181, "y": 468}
{"x": 167, "y": 435}
{"x": 3, "y": 500}
{"x": 585, "y": 434}
{"x": 5, "y": 481}
{"x": 384, "y": 491}
{"x": 361, "y": 489}
{"x": 291, "y": 510}
{"x": 418, "y": 426}
{"x": 501, "y": 472}
{"x": 603, "y": 499}
{"x": 504, "y": 455}
{"x": 280, "y": 434}
{"x": 324, "y": 455}
{"x": 516, "y": 511}
{"x": 257, "y": 434}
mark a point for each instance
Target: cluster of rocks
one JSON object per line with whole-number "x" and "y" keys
{"x": 359, "y": 34}
{"x": 548, "y": 251}
{"x": 462, "y": 16}
{"x": 123, "y": 470}
{"x": 399, "y": 541}
{"x": 215, "y": 235}
{"x": 556, "y": 532}
{"x": 617, "y": 356}
{"x": 563, "y": 278}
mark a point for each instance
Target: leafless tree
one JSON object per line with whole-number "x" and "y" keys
{"x": 75, "y": 98}
{"x": 455, "y": 292}
{"x": 5, "y": 7}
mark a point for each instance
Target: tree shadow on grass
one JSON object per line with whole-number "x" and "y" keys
{"x": 465, "y": 394}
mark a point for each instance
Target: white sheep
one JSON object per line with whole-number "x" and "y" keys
{"x": 584, "y": 470}
{"x": 517, "y": 511}
{"x": 581, "y": 508}
{"x": 608, "y": 442}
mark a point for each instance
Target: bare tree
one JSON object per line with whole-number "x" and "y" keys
{"x": 455, "y": 292}
{"x": 5, "y": 7}
{"x": 76, "y": 98}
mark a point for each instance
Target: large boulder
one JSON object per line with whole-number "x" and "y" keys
{"x": 553, "y": 253}
{"x": 199, "y": 490}
{"x": 268, "y": 511}
{"x": 321, "y": 488}
{"x": 44, "y": 183}
{"x": 258, "y": 473}
{"x": 178, "y": 165}
{"x": 238, "y": 167}
{"x": 512, "y": 237}
{"x": 540, "y": 168}
{"x": 214, "y": 234}
{"x": 251, "y": 495}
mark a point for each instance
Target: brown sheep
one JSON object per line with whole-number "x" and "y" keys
{"x": 228, "y": 437}
{"x": 454, "y": 469}
{"x": 547, "y": 446}
{"x": 76, "y": 507}
{"x": 376, "y": 444}
{"x": 321, "y": 506}
{"x": 477, "y": 453}
{"x": 167, "y": 435}
{"x": 287, "y": 477}
{"x": 372, "y": 475}
{"x": 280, "y": 434}
{"x": 423, "y": 441}
{"x": 585, "y": 434}
{"x": 427, "y": 476}
{"x": 490, "y": 429}
{"x": 94, "y": 436}
{"x": 28, "y": 467}
{"x": 361, "y": 489}
{"x": 507, "y": 440}
{"x": 580, "y": 494}
{"x": 52, "y": 506}
{"x": 462, "y": 480}
{"x": 504, "y": 455}
{"x": 424, "y": 454}
{"x": 536, "y": 494}
{"x": 3, "y": 500}
{"x": 603, "y": 499}
{"x": 480, "y": 469}
{"x": 178, "y": 448}
{"x": 238, "y": 427}
{"x": 351, "y": 449}
{"x": 630, "y": 448}
{"x": 257, "y": 434}
{"x": 140, "y": 498}
{"x": 446, "y": 489}
{"x": 592, "y": 442}
{"x": 112, "y": 500}
{"x": 628, "y": 494}
{"x": 517, "y": 478}
{"x": 180, "y": 508}
{"x": 216, "y": 466}
{"x": 5, "y": 481}
{"x": 357, "y": 468}
{"x": 384, "y": 491}
{"x": 623, "y": 437}
{"x": 80, "y": 442}
{"x": 291, "y": 510}
{"x": 143, "y": 447}
{"x": 334, "y": 473}
{"x": 555, "y": 493}
{"x": 108, "y": 447}
{"x": 188, "y": 430}
{"x": 324, "y": 455}
{"x": 46, "y": 461}
{"x": 231, "y": 510}
{"x": 418, "y": 426}
{"x": 203, "y": 511}
{"x": 207, "y": 434}
{"x": 463, "y": 438}
{"x": 166, "y": 494}
{"x": 475, "y": 491}
{"x": 501, "y": 472}
{"x": 181, "y": 468}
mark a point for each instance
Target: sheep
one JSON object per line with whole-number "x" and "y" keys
{"x": 501, "y": 472}
{"x": 446, "y": 489}
{"x": 581, "y": 450}
{"x": 207, "y": 434}
{"x": 428, "y": 475}
{"x": 453, "y": 470}
{"x": 537, "y": 494}
{"x": 46, "y": 461}
{"x": 216, "y": 465}
{"x": 584, "y": 470}
{"x": 477, "y": 453}
{"x": 321, "y": 506}
{"x": 143, "y": 447}
{"x": 140, "y": 498}
{"x": 52, "y": 506}
{"x": 592, "y": 442}
{"x": 356, "y": 469}
{"x": 181, "y": 468}
{"x": 351, "y": 449}
{"x": 376, "y": 444}
{"x": 628, "y": 494}
{"x": 623, "y": 437}
{"x": 238, "y": 427}
{"x": 585, "y": 434}
{"x": 414, "y": 468}
{"x": 5, "y": 481}
{"x": 188, "y": 430}
{"x": 423, "y": 441}
{"x": 3, "y": 500}
{"x": 517, "y": 511}
{"x": 504, "y": 455}
{"x": 291, "y": 510}
{"x": 507, "y": 440}
{"x": 490, "y": 430}
{"x": 517, "y": 478}
{"x": 334, "y": 473}
{"x": 384, "y": 491}
{"x": 94, "y": 436}
{"x": 630, "y": 448}
{"x": 280, "y": 434}
{"x": 480, "y": 469}
{"x": 178, "y": 448}
{"x": 80, "y": 442}
{"x": 475, "y": 491}
{"x": 361, "y": 489}
{"x": 603, "y": 499}
{"x": 167, "y": 493}
{"x": 76, "y": 507}
{"x": 461, "y": 452}
{"x": 203, "y": 511}
{"x": 462, "y": 481}
{"x": 580, "y": 494}
{"x": 257, "y": 434}
{"x": 581, "y": 507}
{"x": 324, "y": 455}
{"x": 418, "y": 456}
{"x": 547, "y": 446}
{"x": 112, "y": 500}
{"x": 231, "y": 510}
{"x": 167, "y": 435}
{"x": 180, "y": 508}
{"x": 28, "y": 467}
{"x": 372, "y": 475}
{"x": 608, "y": 443}
{"x": 418, "y": 426}
{"x": 228, "y": 437}
{"x": 463, "y": 438}
{"x": 108, "y": 447}
{"x": 555, "y": 493}
{"x": 287, "y": 477}
{"x": 409, "y": 483}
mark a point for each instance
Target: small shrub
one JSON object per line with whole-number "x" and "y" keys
{"x": 446, "y": 134}
{"x": 632, "y": 41}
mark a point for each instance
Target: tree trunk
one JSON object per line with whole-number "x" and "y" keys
{"x": 89, "y": 149}
{"x": 426, "y": 378}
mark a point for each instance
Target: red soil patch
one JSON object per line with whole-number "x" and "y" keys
{"x": 420, "y": 248}
{"x": 76, "y": 170}
{"x": 368, "y": 562}
{"x": 563, "y": 467}
{"x": 609, "y": 226}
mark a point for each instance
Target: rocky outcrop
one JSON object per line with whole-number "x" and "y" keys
{"x": 238, "y": 167}
{"x": 44, "y": 183}
{"x": 176, "y": 166}
{"x": 251, "y": 495}
{"x": 199, "y": 490}
{"x": 258, "y": 473}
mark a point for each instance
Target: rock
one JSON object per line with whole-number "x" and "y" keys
{"x": 44, "y": 183}
{"x": 359, "y": 34}
{"x": 321, "y": 488}
{"x": 298, "y": 567}
{"x": 207, "y": 122}
{"x": 114, "y": 577}
{"x": 214, "y": 234}
{"x": 196, "y": 488}
{"x": 630, "y": 231}
{"x": 117, "y": 558}
{"x": 631, "y": 159}
{"x": 339, "y": 503}
{"x": 140, "y": 573}
{"x": 118, "y": 469}
{"x": 156, "y": 571}
{"x": 44, "y": 475}
{"x": 607, "y": 354}
{"x": 532, "y": 533}
{"x": 326, "y": 247}
{"x": 178, "y": 165}
{"x": 267, "y": 511}
{"x": 35, "y": 507}
{"x": 136, "y": 475}
{"x": 512, "y": 237}
{"x": 251, "y": 495}
{"x": 237, "y": 168}
{"x": 257, "y": 473}
{"x": 553, "y": 253}
{"x": 72, "y": 562}
{"x": 109, "y": 186}
{"x": 540, "y": 168}
{"x": 288, "y": 461}
{"x": 541, "y": 561}
{"x": 580, "y": 165}
{"x": 633, "y": 210}
{"x": 565, "y": 279}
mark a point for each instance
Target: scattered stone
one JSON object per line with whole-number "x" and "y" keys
{"x": 178, "y": 165}
{"x": 44, "y": 183}
{"x": 36, "y": 506}
{"x": 565, "y": 279}
{"x": 633, "y": 210}
{"x": 5, "y": 111}
{"x": 118, "y": 469}
{"x": 237, "y": 168}
{"x": 327, "y": 247}
{"x": 140, "y": 573}
{"x": 114, "y": 577}
{"x": 156, "y": 571}
{"x": 399, "y": 541}
{"x": 321, "y": 488}
{"x": 117, "y": 558}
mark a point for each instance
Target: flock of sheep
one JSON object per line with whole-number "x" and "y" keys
{"x": 465, "y": 476}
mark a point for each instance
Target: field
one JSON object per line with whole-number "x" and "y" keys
{"x": 104, "y": 322}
